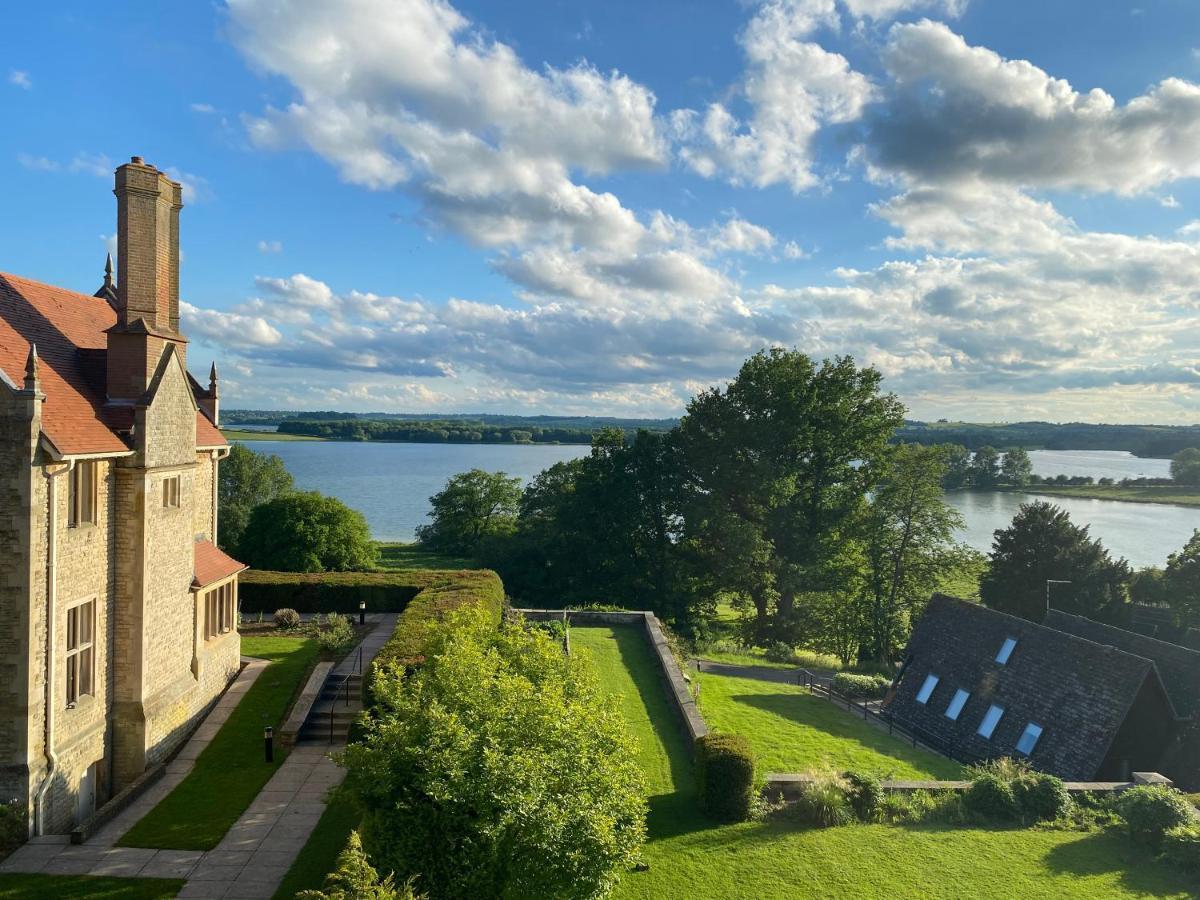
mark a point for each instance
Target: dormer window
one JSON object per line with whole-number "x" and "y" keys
{"x": 1006, "y": 650}
{"x": 926, "y": 691}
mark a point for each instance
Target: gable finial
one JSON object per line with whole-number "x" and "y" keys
{"x": 108, "y": 270}
{"x": 31, "y": 369}
{"x": 212, "y": 377}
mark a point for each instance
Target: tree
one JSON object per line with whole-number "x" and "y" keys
{"x": 985, "y": 468}
{"x": 247, "y": 479}
{"x": 356, "y": 879}
{"x": 908, "y": 545}
{"x": 307, "y": 532}
{"x": 1182, "y": 580}
{"x": 1149, "y": 586}
{"x": 472, "y": 507}
{"x": 778, "y": 465}
{"x": 958, "y": 467}
{"x": 1017, "y": 469}
{"x": 1043, "y": 544}
{"x": 1185, "y": 466}
{"x": 498, "y": 769}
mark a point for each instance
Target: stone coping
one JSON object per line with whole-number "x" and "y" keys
{"x": 304, "y": 703}
{"x": 677, "y": 683}
{"x": 788, "y": 786}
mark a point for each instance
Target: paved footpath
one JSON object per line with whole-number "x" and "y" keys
{"x": 257, "y": 851}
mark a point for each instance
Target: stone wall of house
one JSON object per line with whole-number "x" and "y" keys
{"x": 202, "y": 507}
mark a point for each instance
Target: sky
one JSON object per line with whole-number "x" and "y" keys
{"x": 605, "y": 207}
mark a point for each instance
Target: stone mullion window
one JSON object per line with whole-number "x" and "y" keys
{"x": 80, "y": 652}
{"x": 170, "y": 496}
{"x": 83, "y": 494}
{"x": 219, "y": 611}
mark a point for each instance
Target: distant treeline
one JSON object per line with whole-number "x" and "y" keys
{"x": 469, "y": 421}
{"x": 437, "y": 432}
{"x": 1162, "y": 441}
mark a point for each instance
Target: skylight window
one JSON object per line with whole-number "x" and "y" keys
{"x": 1006, "y": 650}
{"x": 990, "y": 721}
{"x": 1029, "y": 738}
{"x": 956, "y": 705}
{"x": 926, "y": 691}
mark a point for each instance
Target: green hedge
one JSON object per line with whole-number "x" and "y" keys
{"x": 444, "y": 593}
{"x": 326, "y": 592}
{"x": 861, "y": 687}
{"x": 725, "y": 776}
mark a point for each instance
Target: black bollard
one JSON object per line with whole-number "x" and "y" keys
{"x": 362, "y": 612}
{"x": 269, "y": 743}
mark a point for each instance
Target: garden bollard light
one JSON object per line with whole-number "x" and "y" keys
{"x": 269, "y": 742}
{"x": 362, "y": 612}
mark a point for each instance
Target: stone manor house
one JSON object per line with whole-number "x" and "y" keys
{"x": 118, "y": 625}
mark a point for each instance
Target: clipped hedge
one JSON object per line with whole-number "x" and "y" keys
{"x": 861, "y": 687}
{"x": 725, "y": 776}
{"x": 326, "y": 592}
{"x": 443, "y": 593}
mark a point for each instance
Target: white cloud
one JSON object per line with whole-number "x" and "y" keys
{"x": 20, "y": 78}
{"x": 203, "y": 108}
{"x": 196, "y": 188}
{"x": 37, "y": 163}
{"x": 270, "y": 246}
{"x": 881, "y": 10}
{"x": 231, "y": 330}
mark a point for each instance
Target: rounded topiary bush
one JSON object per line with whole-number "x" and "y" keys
{"x": 725, "y": 776}
{"x": 991, "y": 797}
{"x": 865, "y": 793}
{"x": 1041, "y": 797}
{"x": 287, "y": 619}
{"x": 1150, "y": 811}
{"x": 861, "y": 687}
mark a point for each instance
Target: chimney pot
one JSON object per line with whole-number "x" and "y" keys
{"x": 137, "y": 160}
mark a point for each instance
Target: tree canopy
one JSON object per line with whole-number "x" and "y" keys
{"x": 472, "y": 507}
{"x": 246, "y": 480}
{"x": 498, "y": 769}
{"x": 1043, "y": 544}
{"x": 1181, "y": 579}
{"x": 307, "y": 532}
{"x": 1185, "y": 466}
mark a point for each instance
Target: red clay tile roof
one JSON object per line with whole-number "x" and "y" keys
{"x": 68, "y": 329}
{"x": 213, "y": 564}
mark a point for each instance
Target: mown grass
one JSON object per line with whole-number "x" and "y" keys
{"x": 793, "y": 731}
{"x": 71, "y": 887}
{"x": 395, "y": 555}
{"x": 1179, "y": 495}
{"x": 230, "y": 771}
{"x": 319, "y": 855}
{"x": 236, "y": 434}
{"x": 689, "y": 856}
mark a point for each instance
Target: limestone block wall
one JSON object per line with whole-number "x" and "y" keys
{"x": 202, "y": 507}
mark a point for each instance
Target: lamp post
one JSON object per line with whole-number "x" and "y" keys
{"x": 362, "y": 612}
{"x": 1050, "y": 581}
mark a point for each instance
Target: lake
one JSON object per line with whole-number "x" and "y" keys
{"x": 391, "y": 485}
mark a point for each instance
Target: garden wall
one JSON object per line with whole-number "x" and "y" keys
{"x": 677, "y": 684}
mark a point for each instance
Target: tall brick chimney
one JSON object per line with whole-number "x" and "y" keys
{"x": 148, "y": 204}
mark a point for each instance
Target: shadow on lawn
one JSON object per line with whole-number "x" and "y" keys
{"x": 1104, "y": 852}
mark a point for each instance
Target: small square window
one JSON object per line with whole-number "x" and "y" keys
{"x": 957, "y": 704}
{"x": 1006, "y": 650}
{"x": 923, "y": 695}
{"x": 990, "y": 721}
{"x": 1029, "y": 738}
{"x": 170, "y": 493}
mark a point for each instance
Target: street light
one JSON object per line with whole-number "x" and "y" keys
{"x": 1050, "y": 581}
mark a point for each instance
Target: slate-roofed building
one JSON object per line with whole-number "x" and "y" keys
{"x": 981, "y": 684}
{"x": 117, "y": 611}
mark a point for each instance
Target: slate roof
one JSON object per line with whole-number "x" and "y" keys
{"x": 69, "y": 330}
{"x": 1080, "y": 692}
{"x": 213, "y": 564}
{"x": 1178, "y": 667}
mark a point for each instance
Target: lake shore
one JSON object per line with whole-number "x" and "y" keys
{"x": 1166, "y": 494}
{"x": 237, "y": 434}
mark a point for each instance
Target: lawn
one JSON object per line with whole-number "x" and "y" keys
{"x": 71, "y": 887}
{"x": 237, "y": 434}
{"x": 230, "y": 771}
{"x": 395, "y": 555}
{"x": 793, "y": 731}
{"x": 689, "y": 856}
{"x": 319, "y": 855}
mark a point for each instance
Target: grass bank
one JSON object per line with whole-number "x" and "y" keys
{"x": 1177, "y": 495}
{"x": 689, "y": 856}
{"x": 86, "y": 887}
{"x": 396, "y": 555}
{"x": 237, "y": 434}
{"x": 230, "y": 771}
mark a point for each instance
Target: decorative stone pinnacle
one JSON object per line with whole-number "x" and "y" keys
{"x": 31, "y": 369}
{"x": 108, "y": 270}
{"x": 212, "y": 378}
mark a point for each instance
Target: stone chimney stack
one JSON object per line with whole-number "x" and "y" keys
{"x": 147, "y": 289}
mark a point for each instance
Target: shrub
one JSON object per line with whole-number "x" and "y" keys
{"x": 1150, "y": 811}
{"x": 499, "y": 768}
{"x": 780, "y": 652}
{"x": 824, "y": 803}
{"x": 991, "y": 797}
{"x": 13, "y": 827}
{"x": 1041, "y": 797}
{"x": 861, "y": 687}
{"x": 287, "y": 619}
{"x": 924, "y": 807}
{"x": 725, "y": 776}
{"x": 356, "y": 879}
{"x": 307, "y": 532}
{"x": 313, "y": 592}
{"x": 865, "y": 793}
{"x": 1181, "y": 847}
{"x": 334, "y": 634}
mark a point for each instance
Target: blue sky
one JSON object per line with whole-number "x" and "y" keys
{"x": 604, "y": 207}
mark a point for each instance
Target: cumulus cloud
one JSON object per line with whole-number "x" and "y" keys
{"x": 270, "y": 246}
{"x": 20, "y": 78}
